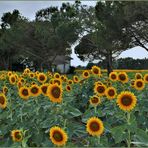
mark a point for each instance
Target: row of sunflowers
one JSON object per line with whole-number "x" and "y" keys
{"x": 90, "y": 109}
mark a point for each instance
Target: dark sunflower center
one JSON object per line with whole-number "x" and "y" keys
{"x": 25, "y": 92}
{"x": 126, "y": 100}
{"x": 57, "y": 136}
{"x": 111, "y": 92}
{"x": 44, "y": 89}
{"x": 42, "y": 78}
{"x": 139, "y": 84}
{"x": 94, "y": 100}
{"x": 2, "y": 100}
{"x": 76, "y": 79}
{"x": 132, "y": 82}
{"x": 146, "y": 78}
{"x": 57, "y": 81}
{"x": 100, "y": 89}
{"x": 68, "y": 87}
{"x": 122, "y": 77}
{"x": 34, "y": 90}
{"x": 96, "y": 71}
{"x": 18, "y": 135}
{"x": 138, "y": 77}
{"x": 86, "y": 74}
{"x": 13, "y": 79}
{"x": 94, "y": 126}
{"x": 57, "y": 76}
{"x": 113, "y": 76}
{"x": 56, "y": 92}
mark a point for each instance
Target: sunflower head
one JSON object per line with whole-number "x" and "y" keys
{"x": 54, "y": 92}
{"x": 123, "y": 77}
{"x": 96, "y": 70}
{"x": 100, "y": 89}
{"x": 35, "y": 90}
{"x": 139, "y": 84}
{"x": 3, "y": 101}
{"x": 132, "y": 82}
{"x": 57, "y": 81}
{"x": 94, "y": 126}
{"x": 146, "y": 78}
{"x": 56, "y": 75}
{"x": 58, "y": 136}
{"x": 31, "y": 75}
{"x": 68, "y": 88}
{"x": 12, "y": 79}
{"x": 138, "y": 76}
{"x": 17, "y": 135}
{"x": 85, "y": 74}
{"x": 70, "y": 82}
{"x": 42, "y": 78}
{"x": 44, "y": 88}
{"x": 24, "y": 93}
{"x": 110, "y": 93}
{"x": 126, "y": 100}
{"x": 95, "y": 100}
{"x": 5, "y": 89}
{"x": 75, "y": 79}
{"x": 113, "y": 76}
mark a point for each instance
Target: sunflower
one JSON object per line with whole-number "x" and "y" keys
{"x": 85, "y": 74}
{"x": 70, "y": 82}
{"x": 75, "y": 79}
{"x": 123, "y": 77}
{"x": 139, "y": 84}
{"x": 24, "y": 93}
{"x": 3, "y": 101}
{"x": 58, "y": 136}
{"x": 5, "y": 89}
{"x": 98, "y": 83}
{"x": 31, "y": 75}
{"x": 96, "y": 70}
{"x": 100, "y": 89}
{"x": 94, "y": 126}
{"x": 12, "y": 79}
{"x": 19, "y": 84}
{"x": 95, "y": 100}
{"x": 9, "y": 73}
{"x": 44, "y": 88}
{"x": 35, "y": 90}
{"x": 27, "y": 71}
{"x": 113, "y": 76}
{"x": 57, "y": 80}
{"x": 56, "y": 75}
{"x": 54, "y": 92}
{"x": 146, "y": 78}
{"x": 110, "y": 93}
{"x": 138, "y": 76}
{"x": 17, "y": 135}
{"x": 126, "y": 100}
{"x": 132, "y": 83}
{"x": 42, "y": 78}
{"x": 68, "y": 88}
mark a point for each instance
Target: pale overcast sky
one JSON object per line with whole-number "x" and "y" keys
{"x": 29, "y": 8}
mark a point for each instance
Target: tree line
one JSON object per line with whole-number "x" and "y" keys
{"x": 102, "y": 32}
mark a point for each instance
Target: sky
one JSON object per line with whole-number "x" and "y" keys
{"x": 29, "y": 8}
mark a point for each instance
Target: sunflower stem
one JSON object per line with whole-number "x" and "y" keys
{"x": 98, "y": 140}
{"x": 129, "y": 135}
{"x": 95, "y": 108}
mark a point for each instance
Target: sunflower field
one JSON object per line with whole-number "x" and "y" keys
{"x": 88, "y": 109}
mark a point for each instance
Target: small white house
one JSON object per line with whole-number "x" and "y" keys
{"x": 61, "y": 64}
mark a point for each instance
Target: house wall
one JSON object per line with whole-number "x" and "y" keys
{"x": 60, "y": 68}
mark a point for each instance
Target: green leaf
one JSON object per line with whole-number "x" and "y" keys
{"x": 118, "y": 133}
{"x": 142, "y": 136}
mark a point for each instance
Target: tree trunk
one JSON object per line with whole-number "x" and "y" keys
{"x": 109, "y": 62}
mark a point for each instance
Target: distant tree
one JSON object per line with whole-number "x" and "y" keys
{"x": 107, "y": 40}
